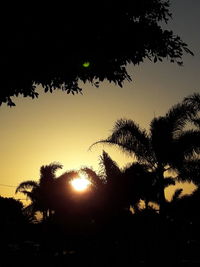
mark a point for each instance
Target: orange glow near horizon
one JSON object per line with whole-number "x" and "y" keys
{"x": 60, "y": 127}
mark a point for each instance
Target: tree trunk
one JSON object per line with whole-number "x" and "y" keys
{"x": 146, "y": 201}
{"x": 162, "y": 199}
{"x": 44, "y": 215}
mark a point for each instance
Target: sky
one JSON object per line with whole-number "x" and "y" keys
{"x": 60, "y": 128}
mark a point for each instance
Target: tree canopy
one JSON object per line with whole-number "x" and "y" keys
{"x": 59, "y": 46}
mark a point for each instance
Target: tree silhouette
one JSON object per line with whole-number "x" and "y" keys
{"x": 126, "y": 187}
{"x": 109, "y": 188}
{"x": 189, "y": 169}
{"x": 168, "y": 143}
{"x": 63, "y": 195}
{"x": 114, "y": 184}
{"x": 59, "y": 46}
{"x": 116, "y": 190}
{"x": 13, "y": 224}
{"x": 104, "y": 197}
{"x": 183, "y": 213}
{"x": 140, "y": 185}
{"x": 40, "y": 193}
{"x": 11, "y": 211}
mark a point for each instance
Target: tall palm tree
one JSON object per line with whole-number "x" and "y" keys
{"x": 119, "y": 189}
{"x": 40, "y": 193}
{"x": 190, "y": 168}
{"x": 127, "y": 186}
{"x": 167, "y": 144}
{"x": 140, "y": 185}
{"x": 114, "y": 183}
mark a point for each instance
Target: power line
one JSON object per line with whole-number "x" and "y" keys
{"x": 8, "y": 185}
{"x": 13, "y": 186}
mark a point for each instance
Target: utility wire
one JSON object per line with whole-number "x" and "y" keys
{"x": 8, "y": 185}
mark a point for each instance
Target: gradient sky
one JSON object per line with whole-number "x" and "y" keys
{"x": 60, "y": 127}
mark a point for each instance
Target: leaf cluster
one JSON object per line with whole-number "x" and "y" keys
{"x": 49, "y": 46}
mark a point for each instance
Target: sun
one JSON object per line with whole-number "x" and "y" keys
{"x": 80, "y": 184}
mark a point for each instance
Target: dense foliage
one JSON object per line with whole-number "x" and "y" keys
{"x": 58, "y": 46}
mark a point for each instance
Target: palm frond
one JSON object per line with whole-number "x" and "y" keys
{"x": 131, "y": 139}
{"x": 196, "y": 122}
{"x": 140, "y": 182}
{"x": 27, "y": 193}
{"x": 165, "y": 129}
{"x": 182, "y": 113}
{"x": 161, "y": 138}
{"x": 136, "y": 168}
{"x": 187, "y": 143}
{"x": 193, "y": 101}
{"x": 109, "y": 168}
{"x": 66, "y": 177}
{"x": 178, "y": 116}
{"x": 96, "y": 180}
{"x": 47, "y": 172}
{"x": 190, "y": 171}
{"x": 26, "y": 185}
{"x": 176, "y": 194}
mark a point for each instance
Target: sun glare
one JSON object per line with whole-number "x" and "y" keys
{"x": 80, "y": 184}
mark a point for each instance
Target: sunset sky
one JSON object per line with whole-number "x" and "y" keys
{"x": 60, "y": 128}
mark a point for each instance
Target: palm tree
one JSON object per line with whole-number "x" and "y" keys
{"x": 140, "y": 185}
{"x": 40, "y": 193}
{"x": 114, "y": 184}
{"x": 127, "y": 186}
{"x": 131, "y": 184}
{"x": 167, "y": 144}
{"x": 119, "y": 189}
{"x": 189, "y": 170}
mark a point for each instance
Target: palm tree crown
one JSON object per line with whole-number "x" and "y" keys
{"x": 168, "y": 144}
{"x": 40, "y": 193}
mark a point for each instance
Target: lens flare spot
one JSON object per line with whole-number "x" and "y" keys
{"x": 86, "y": 64}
